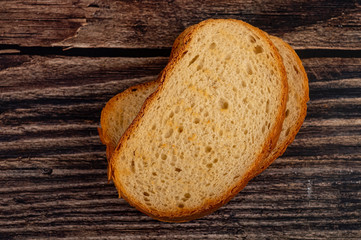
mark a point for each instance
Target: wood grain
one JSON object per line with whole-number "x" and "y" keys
{"x": 156, "y": 24}
{"x": 118, "y": 24}
{"x": 40, "y": 23}
{"x": 53, "y": 180}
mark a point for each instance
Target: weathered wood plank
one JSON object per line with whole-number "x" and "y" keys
{"x": 41, "y": 23}
{"x": 156, "y": 24}
{"x": 53, "y": 166}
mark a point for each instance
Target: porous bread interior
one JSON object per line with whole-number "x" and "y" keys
{"x": 207, "y": 125}
{"x": 121, "y": 110}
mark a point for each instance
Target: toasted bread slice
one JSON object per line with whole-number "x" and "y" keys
{"x": 199, "y": 138}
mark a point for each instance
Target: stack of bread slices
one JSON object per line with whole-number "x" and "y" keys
{"x": 228, "y": 103}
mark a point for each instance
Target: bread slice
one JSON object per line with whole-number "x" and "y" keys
{"x": 296, "y": 107}
{"x": 119, "y": 112}
{"x": 198, "y": 138}
{"x": 130, "y": 101}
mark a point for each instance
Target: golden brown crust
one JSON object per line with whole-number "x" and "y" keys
{"x": 296, "y": 127}
{"x": 189, "y": 214}
{"x": 179, "y": 41}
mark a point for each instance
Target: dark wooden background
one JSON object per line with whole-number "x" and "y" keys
{"x": 60, "y": 61}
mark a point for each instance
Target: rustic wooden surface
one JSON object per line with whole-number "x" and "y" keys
{"x": 53, "y": 169}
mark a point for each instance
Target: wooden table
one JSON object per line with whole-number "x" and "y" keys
{"x": 60, "y": 61}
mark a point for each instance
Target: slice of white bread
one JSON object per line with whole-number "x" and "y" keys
{"x": 114, "y": 124}
{"x": 119, "y": 112}
{"x": 198, "y": 138}
{"x": 298, "y": 96}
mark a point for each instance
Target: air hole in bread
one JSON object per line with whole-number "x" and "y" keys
{"x": 146, "y": 194}
{"x": 212, "y": 46}
{"x": 263, "y": 128}
{"x": 235, "y": 177}
{"x": 146, "y": 199}
{"x": 296, "y": 69}
{"x": 245, "y": 131}
{"x": 178, "y": 169}
{"x": 193, "y": 60}
{"x": 169, "y": 133}
{"x": 132, "y": 166}
{"x": 244, "y": 83}
{"x": 134, "y": 89}
{"x": 171, "y": 114}
{"x": 228, "y": 57}
{"x": 154, "y": 174}
{"x": 215, "y": 160}
{"x": 196, "y": 120}
{"x": 187, "y": 195}
{"x": 164, "y": 156}
{"x": 287, "y": 113}
{"x": 267, "y": 106}
{"x": 288, "y": 131}
{"x": 221, "y": 133}
{"x": 224, "y": 104}
{"x": 258, "y": 49}
{"x": 181, "y": 205}
{"x": 208, "y": 149}
{"x": 206, "y": 114}
{"x": 249, "y": 70}
{"x": 156, "y": 155}
{"x": 180, "y": 129}
{"x": 209, "y": 165}
{"x": 245, "y": 100}
{"x": 252, "y": 39}
{"x": 199, "y": 67}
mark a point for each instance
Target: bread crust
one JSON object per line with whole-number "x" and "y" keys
{"x": 270, "y": 142}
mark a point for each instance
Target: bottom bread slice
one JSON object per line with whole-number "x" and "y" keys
{"x": 121, "y": 110}
{"x": 197, "y": 139}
